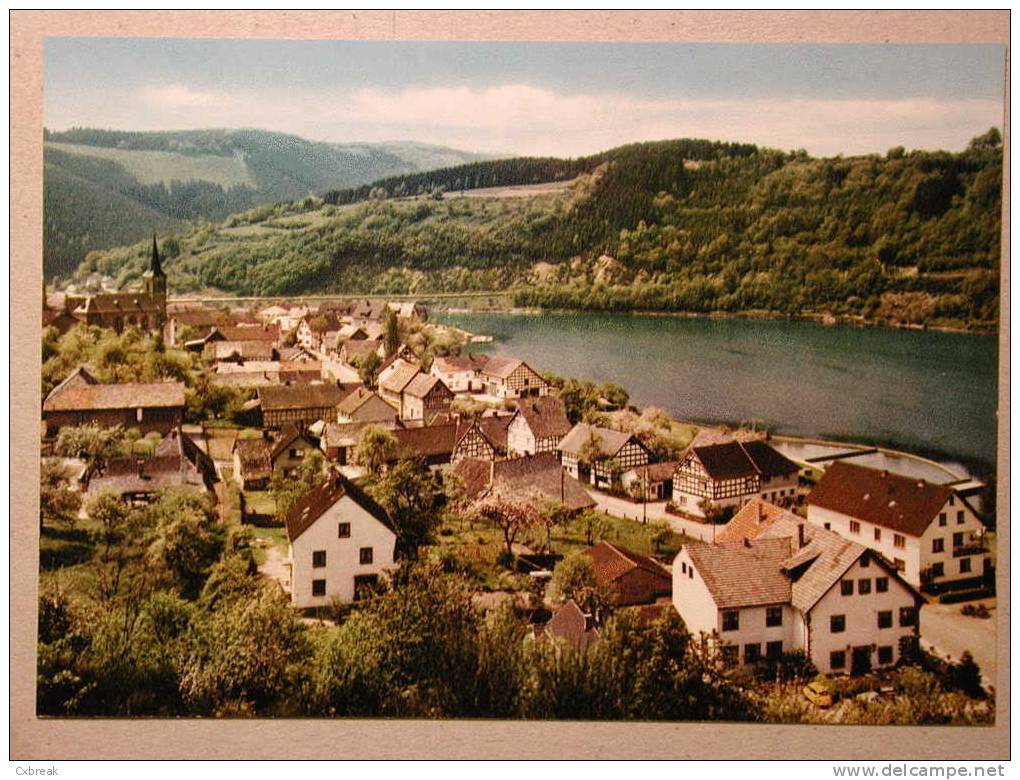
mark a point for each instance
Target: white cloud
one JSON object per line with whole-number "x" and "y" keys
{"x": 528, "y": 119}
{"x": 180, "y": 96}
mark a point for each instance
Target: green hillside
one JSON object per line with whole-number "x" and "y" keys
{"x": 693, "y": 226}
{"x": 140, "y": 182}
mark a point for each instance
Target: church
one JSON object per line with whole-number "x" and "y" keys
{"x": 144, "y": 308}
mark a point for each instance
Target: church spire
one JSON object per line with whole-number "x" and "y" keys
{"x": 155, "y": 267}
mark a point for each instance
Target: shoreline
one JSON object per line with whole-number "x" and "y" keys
{"x": 828, "y": 320}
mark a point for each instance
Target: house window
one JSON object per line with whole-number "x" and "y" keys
{"x": 773, "y": 649}
{"x": 885, "y": 619}
{"x": 865, "y": 560}
{"x": 837, "y": 624}
{"x": 846, "y": 587}
{"x": 900, "y": 564}
{"x": 730, "y": 655}
{"x": 881, "y": 584}
{"x": 885, "y": 655}
{"x": 318, "y": 558}
{"x": 828, "y": 526}
{"x": 837, "y": 659}
{"x": 318, "y": 587}
{"x": 899, "y": 541}
{"x": 908, "y": 616}
{"x": 942, "y": 519}
{"x": 365, "y": 555}
{"x": 773, "y": 616}
{"x": 958, "y": 540}
{"x": 731, "y": 620}
{"x": 752, "y": 653}
{"x": 855, "y": 527}
{"x": 690, "y": 573}
{"x": 343, "y": 530}
{"x": 959, "y": 517}
{"x": 683, "y": 568}
{"x": 864, "y": 587}
{"x": 938, "y": 545}
{"x": 938, "y": 570}
{"x": 878, "y": 534}
{"x": 964, "y": 565}
{"x": 297, "y": 453}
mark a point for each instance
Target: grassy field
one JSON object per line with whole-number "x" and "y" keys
{"x": 476, "y": 546}
{"x": 275, "y": 537}
{"x": 151, "y": 167}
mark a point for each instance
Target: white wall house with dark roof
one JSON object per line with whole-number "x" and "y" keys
{"x": 931, "y": 534}
{"x": 729, "y": 474}
{"x": 796, "y": 587}
{"x": 340, "y": 541}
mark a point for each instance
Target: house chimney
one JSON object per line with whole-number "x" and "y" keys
{"x": 800, "y": 535}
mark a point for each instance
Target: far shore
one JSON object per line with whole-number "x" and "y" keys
{"x": 751, "y": 314}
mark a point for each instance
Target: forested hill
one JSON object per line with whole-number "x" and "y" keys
{"x": 106, "y": 187}
{"x": 907, "y": 237}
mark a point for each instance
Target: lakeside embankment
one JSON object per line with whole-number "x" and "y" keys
{"x": 929, "y": 392}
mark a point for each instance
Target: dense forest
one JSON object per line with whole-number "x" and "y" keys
{"x": 693, "y": 226}
{"x": 103, "y": 188}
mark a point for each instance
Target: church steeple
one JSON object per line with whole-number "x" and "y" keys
{"x": 154, "y": 266}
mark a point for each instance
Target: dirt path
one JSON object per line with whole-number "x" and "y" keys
{"x": 275, "y": 567}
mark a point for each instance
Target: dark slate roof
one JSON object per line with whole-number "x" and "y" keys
{"x": 880, "y": 497}
{"x": 303, "y": 396}
{"x": 289, "y": 434}
{"x": 546, "y": 416}
{"x": 315, "y": 503}
{"x": 126, "y": 302}
{"x": 735, "y": 459}
{"x": 147, "y": 475}
{"x": 127, "y": 395}
{"x": 176, "y": 442}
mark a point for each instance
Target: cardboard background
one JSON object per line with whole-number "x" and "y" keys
{"x": 33, "y": 738}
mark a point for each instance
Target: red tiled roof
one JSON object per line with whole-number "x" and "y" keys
{"x": 753, "y": 519}
{"x": 880, "y": 497}
{"x": 546, "y": 416}
{"x": 127, "y": 395}
{"x": 612, "y": 562}
{"x": 573, "y": 626}
{"x": 744, "y": 574}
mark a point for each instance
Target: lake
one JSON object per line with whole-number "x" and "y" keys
{"x": 925, "y": 391}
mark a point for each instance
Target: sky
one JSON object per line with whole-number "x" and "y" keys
{"x": 536, "y": 98}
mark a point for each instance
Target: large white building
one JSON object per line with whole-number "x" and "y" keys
{"x": 729, "y": 474}
{"x": 931, "y": 534}
{"x": 784, "y": 585}
{"x": 340, "y": 542}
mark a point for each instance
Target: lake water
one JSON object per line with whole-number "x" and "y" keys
{"x": 925, "y": 391}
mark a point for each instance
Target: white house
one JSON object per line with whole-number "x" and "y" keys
{"x": 458, "y": 372}
{"x": 340, "y": 542}
{"x": 792, "y": 587}
{"x": 931, "y": 534}
{"x": 730, "y": 474}
{"x": 538, "y": 425}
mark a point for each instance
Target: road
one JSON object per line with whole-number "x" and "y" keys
{"x": 656, "y": 512}
{"x": 945, "y": 631}
{"x": 276, "y": 567}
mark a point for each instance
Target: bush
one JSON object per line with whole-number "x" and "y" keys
{"x": 794, "y": 665}
{"x": 978, "y": 611}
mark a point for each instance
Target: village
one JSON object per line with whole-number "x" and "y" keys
{"x": 578, "y": 505}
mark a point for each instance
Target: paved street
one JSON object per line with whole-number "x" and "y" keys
{"x": 620, "y": 507}
{"x": 945, "y": 631}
